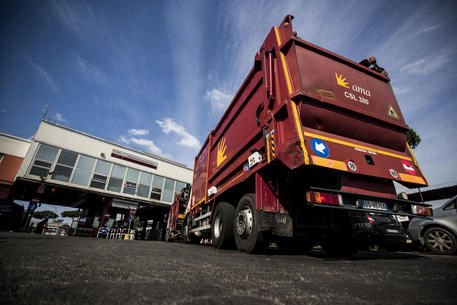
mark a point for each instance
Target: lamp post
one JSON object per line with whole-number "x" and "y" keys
{"x": 33, "y": 204}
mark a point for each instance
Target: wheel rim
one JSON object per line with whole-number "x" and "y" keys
{"x": 217, "y": 226}
{"x": 244, "y": 222}
{"x": 439, "y": 240}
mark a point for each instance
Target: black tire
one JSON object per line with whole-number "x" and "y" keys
{"x": 167, "y": 235}
{"x": 341, "y": 244}
{"x": 248, "y": 238}
{"x": 439, "y": 240}
{"x": 185, "y": 230}
{"x": 187, "y": 236}
{"x": 222, "y": 226}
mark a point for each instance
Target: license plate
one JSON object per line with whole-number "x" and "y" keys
{"x": 374, "y": 205}
{"x": 392, "y": 231}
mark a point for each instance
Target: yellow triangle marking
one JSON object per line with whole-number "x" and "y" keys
{"x": 392, "y": 112}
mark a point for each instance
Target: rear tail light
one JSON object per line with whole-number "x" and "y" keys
{"x": 370, "y": 219}
{"x": 324, "y": 198}
{"x": 421, "y": 210}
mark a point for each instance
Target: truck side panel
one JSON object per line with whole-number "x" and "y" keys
{"x": 199, "y": 183}
{"x": 238, "y": 132}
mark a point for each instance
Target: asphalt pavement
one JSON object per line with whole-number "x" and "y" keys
{"x": 37, "y": 269}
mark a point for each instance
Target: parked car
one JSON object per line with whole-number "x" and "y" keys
{"x": 438, "y": 235}
{"x": 387, "y": 232}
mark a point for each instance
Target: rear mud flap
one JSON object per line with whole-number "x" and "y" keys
{"x": 279, "y": 224}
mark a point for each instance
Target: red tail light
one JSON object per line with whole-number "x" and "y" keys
{"x": 421, "y": 210}
{"x": 324, "y": 198}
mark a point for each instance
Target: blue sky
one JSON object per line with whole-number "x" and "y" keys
{"x": 157, "y": 75}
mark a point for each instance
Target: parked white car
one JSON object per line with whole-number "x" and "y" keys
{"x": 438, "y": 235}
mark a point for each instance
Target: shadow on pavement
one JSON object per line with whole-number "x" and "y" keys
{"x": 359, "y": 256}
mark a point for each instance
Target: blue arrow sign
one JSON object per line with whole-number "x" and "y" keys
{"x": 320, "y": 148}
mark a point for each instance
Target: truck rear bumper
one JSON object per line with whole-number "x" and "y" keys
{"x": 328, "y": 198}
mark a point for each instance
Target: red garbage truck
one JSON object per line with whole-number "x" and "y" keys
{"x": 309, "y": 144}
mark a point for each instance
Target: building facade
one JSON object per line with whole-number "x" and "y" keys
{"x": 12, "y": 152}
{"x": 107, "y": 180}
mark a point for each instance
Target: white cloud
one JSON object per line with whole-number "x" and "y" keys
{"x": 428, "y": 65}
{"x": 218, "y": 100}
{"x": 427, "y": 29}
{"x": 124, "y": 139}
{"x": 138, "y": 132}
{"x": 186, "y": 139}
{"x": 80, "y": 18}
{"x": 401, "y": 90}
{"x": 60, "y": 118}
{"x": 149, "y": 145}
{"x": 90, "y": 73}
{"x": 43, "y": 74}
{"x": 188, "y": 64}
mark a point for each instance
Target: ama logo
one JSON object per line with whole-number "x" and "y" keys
{"x": 320, "y": 148}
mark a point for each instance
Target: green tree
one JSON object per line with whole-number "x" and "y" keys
{"x": 71, "y": 214}
{"x": 412, "y": 138}
{"x": 45, "y": 214}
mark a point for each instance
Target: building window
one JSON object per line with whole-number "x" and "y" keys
{"x": 117, "y": 176}
{"x": 131, "y": 181}
{"x": 179, "y": 186}
{"x": 83, "y": 170}
{"x": 45, "y": 157}
{"x": 168, "y": 189}
{"x": 157, "y": 187}
{"x": 47, "y": 153}
{"x": 101, "y": 174}
{"x": 144, "y": 185}
{"x": 64, "y": 166}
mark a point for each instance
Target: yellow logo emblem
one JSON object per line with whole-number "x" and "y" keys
{"x": 221, "y": 148}
{"x": 341, "y": 81}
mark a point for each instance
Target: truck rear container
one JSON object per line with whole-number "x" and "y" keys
{"x": 310, "y": 142}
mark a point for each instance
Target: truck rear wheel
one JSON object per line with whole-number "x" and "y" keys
{"x": 168, "y": 235}
{"x": 222, "y": 226}
{"x": 248, "y": 238}
{"x": 187, "y": 236}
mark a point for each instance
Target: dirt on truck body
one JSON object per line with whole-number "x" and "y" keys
{"x": 309, "y": 144}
